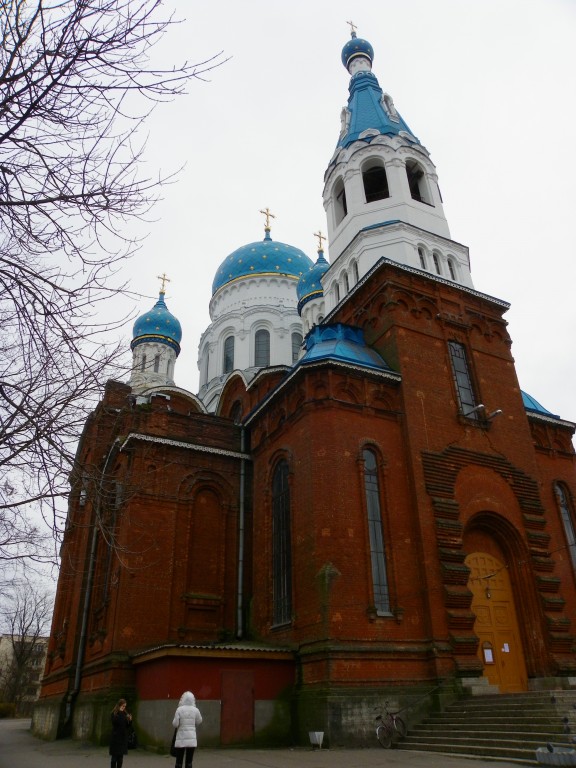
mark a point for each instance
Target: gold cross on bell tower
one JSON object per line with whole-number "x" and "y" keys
{"x": 164, "y": 281}
{"x": 320, "y": 237}
{"x": 268, "y": 217}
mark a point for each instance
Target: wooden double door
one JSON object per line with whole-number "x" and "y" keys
{"x": 500, "y": 648}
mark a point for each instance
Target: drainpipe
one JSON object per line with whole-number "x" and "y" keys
{"x": 70, "y": 699}
{"x": 241, "y": 502}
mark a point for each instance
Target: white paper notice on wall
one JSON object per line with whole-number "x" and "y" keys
{"x": 505, "y": 648}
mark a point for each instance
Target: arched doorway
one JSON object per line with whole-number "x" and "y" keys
{"x": 500, "y": 647}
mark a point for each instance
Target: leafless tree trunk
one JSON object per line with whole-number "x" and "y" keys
{"x": 77, "y": 83}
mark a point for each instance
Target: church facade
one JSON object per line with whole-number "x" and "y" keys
{"x": 359, "y": 504}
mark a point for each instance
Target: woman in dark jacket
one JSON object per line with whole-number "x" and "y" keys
{"x": 119, "y": 739}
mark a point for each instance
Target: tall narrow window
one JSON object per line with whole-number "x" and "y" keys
{"x": 337, "y": 293}
{"x": 566, "y": 512}
{"x": 462, "y": 379}
{"x": 422, "y": 257}
{"x": 417, "y": 182}
{"x": 346, "y": 283}
{"x": 229, "y": 354}
{"x": 451, "y": 269}
{"x": 355, "y": 271}
{"x": 143, "y": 364}
{"x": 341, "y": 208}
{"x": 281, "y": 546}
{"x": 156, "y": 363}
{"x": 436, "y": 260}
{"x": 262, "y": 348}
{"x": 375, "y": 183}
{"x": 377, "y": 550}
{"x": 296, "y": 344}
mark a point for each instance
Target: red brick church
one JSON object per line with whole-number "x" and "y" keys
{"x": 359, "y": 504}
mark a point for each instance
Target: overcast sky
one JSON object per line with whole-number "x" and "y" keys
{"x": 488, "y": 86}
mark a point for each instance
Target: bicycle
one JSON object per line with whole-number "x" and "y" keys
{"x": 390, "y": 723}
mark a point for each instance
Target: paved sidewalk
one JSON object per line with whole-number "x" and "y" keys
{"x": 19, "y": 749}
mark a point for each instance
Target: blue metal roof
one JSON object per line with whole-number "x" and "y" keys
{"x": 266, "y": 257}
{"x": 158, "y": 325}
{"x": 367, "y": 112}
{"x": 365, "y": 100}
{"x": 343, "y": 343}
{"x": 533, "y": 406}
{"x": 309, "y": 285}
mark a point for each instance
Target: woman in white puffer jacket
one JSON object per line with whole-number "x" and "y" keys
{"x": 186, "y": 719}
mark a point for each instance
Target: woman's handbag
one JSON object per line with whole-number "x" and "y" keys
{"x": 172, "y": 747}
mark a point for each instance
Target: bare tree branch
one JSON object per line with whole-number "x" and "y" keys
{"x": 77, "y": 84}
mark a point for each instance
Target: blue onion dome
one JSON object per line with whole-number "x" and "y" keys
{"x": 356, "y": 47}
{"x": 263, "y": 258}
{"x": 158, "y": 324}
{"x": 310, "y": 284}
{"x": 341, "y": 343}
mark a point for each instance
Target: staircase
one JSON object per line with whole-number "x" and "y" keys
{"x": 498, "y": 727}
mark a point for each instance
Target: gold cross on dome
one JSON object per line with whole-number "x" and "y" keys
{"x": 164, "y": 281}
{"x": 268, "y": 217}
{"x": 353, "y": 27}
{"x": 320, "y": 237}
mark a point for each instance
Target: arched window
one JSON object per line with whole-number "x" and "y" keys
{"x": 337, "y": 293}
{"x": 229, "y": 354}
{"x": 143, "y": 363}
{"x": 436, "y": 260}
{"x": 262, "y": 348}
{"x": 422, "y": 257}
{"x": 355, "y": 271}
{"x": 375, "y": 183}
{"x": 281, "y": 546}
{"x": 376, "y": 533}
{"x": 567, "y": 520}
{"x": 341, "y": 208}
{"x": 451, "y": 268}
{"x": 296, "y": 344}
{"x": 346, "y": 283}
{"x": 156, "y": 363}
{"x": 417, "y": 182}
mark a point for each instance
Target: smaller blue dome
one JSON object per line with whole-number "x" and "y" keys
{"x": 158, "y": 325}
{"x": 310, "y": 285}
{"x": 356, "y": 47}
{"x": 342, "y": 343}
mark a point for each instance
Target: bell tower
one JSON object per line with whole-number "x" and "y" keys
{"x": 381, "y": 192}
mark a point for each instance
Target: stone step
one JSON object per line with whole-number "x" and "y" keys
{"x": 510, "y": 754}
{"x": 503, "y": 727}
{"x": 517, "y": 740}
{"x": 541, "y": 733}
{"x": 487, "y": 720}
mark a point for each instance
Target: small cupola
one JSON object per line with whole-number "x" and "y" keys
{"x": 155, "y": 345}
